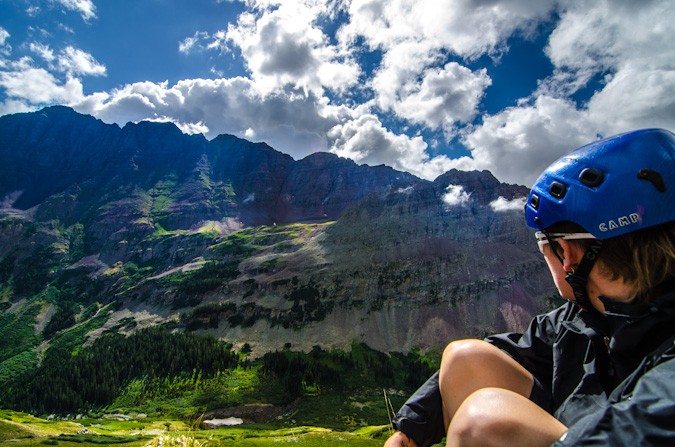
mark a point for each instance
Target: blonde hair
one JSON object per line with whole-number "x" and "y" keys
{"x": 643, "y": 259}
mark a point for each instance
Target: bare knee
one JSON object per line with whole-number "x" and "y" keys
{"x": 471, "y": 365}
{"x": 476, "y": 422}
{"x": 464, "y": 359}
{"x": 463, "y": 371}
{"x": 495, "y": 416}
{"x": 478, "y": 364}
{"x": 467, "y": 351}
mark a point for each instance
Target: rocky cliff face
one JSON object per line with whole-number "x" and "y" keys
{"x": 322, "y": 186}
{"x": 236, "y": 239}
{"x": 409, "y": 267}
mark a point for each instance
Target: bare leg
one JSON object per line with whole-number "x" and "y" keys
{"x": 499, "y": 417}
{"x": 470, "y": 365}
{"x": 469, "y": 369}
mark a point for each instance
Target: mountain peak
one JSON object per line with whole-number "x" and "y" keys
{"x": 482, "y": 185}
{"x": 323, "y": 159}
{"x": 227, "y": 176}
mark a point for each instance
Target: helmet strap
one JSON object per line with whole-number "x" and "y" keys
{"x": 578, "y": 279}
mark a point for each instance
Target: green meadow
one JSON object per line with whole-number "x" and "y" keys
{"x": 21, "y": 429}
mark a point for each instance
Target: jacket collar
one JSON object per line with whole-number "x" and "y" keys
{"x": 618, "y": 314}
{"x": 664, "y": 304}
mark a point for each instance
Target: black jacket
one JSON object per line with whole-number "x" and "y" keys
{"x": 611, "y": 378}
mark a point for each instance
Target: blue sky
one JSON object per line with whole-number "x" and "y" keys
{"x": 420, "y": 85}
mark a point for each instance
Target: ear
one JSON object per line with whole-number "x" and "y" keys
{"x": 572, "y": 254}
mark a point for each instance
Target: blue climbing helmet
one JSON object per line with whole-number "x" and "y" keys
{"x": 610, "y": 187}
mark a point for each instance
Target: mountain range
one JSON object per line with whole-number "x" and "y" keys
{"x": 144, "y": 225}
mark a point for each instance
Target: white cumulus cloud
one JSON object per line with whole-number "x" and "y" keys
{"x": 5, "y": 47}
{"x": 364, "y": 139}
{"x": 415, "y": 35}
{"x": 28, "y": 84}
{"x": 190, "y": 44}
{"x": 282, "y": 45}
{"x": 77, "y": 62}
{"x": 444, "y": 97}
{"x": 233, "y": 106}
{"x": 37, "y": 85}
{"x": 43, "y": 51}
{"x": 517, "y": 144}
{"x": 627, "y": 46}
{"x": 456, "y": 196}
{"x": 503, "y": 204}
{"x": 86, "y": 8}
{"x": 469, "y": 28}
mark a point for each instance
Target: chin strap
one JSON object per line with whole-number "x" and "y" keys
{"x": 578, "y": 279}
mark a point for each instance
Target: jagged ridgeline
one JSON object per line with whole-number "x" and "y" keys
{"x": 109, "y": 235}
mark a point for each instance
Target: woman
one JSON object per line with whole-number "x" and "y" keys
{"x": 600, "y": 370}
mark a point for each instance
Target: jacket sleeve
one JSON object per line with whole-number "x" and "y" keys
{"x": 421, "y": 417}
{"x": 644, "y": 417}
{"x": 533, "y": 349}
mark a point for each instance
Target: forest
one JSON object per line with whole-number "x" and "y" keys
{"x": 165, "y": 364}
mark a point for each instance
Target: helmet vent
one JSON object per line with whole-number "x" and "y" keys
{"x": 591, "y": 177}
{"x": 558, "y": 190}
{"x": 654, "y": 177}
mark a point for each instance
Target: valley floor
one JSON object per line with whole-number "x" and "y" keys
{"x": 20, "y": 429}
